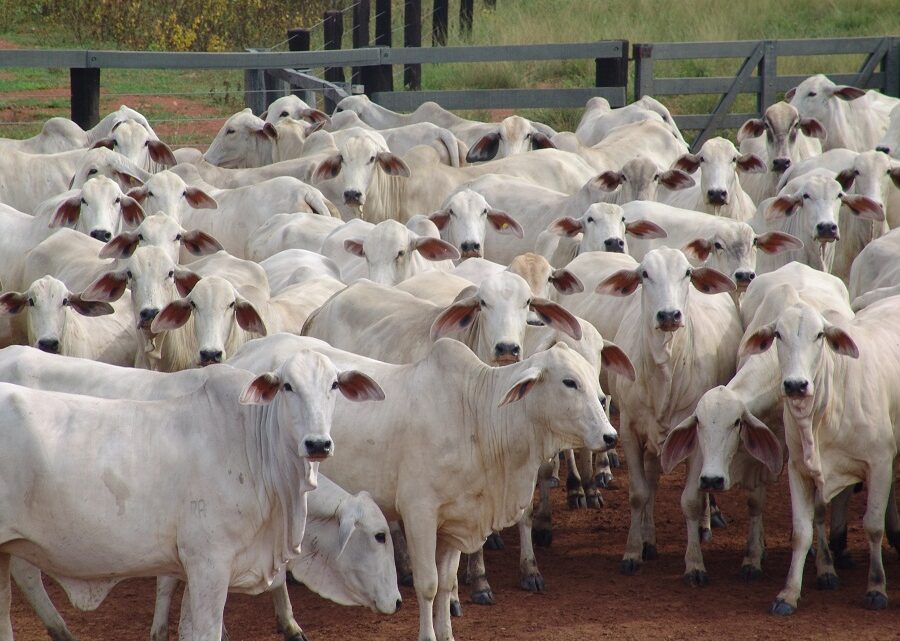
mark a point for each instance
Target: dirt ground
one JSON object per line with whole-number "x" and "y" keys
{"x": 586, "y": 598}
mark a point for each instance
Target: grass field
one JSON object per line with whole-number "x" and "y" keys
{"x": 30, "y": 96}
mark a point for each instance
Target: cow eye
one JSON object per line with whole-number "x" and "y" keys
{"x": 150, "y": 194}
{"x": 568, "y": 382}
{"x": 687, "y": 274}
{"x": 805, "y": 196}
{"x": 31, "y": 302}
{"x": 83, "y": 201}
{"x": 146, "y": 143}
{"x": 644, "y": 274}
{"x": 734, "y": 159}
{"x": 737, "y": 422}
{"x": 334, "y": 385}
{"x": 65, "y": 302}
{"x": 284, "y": 114}
{"x": 484, "y": 213}
{"x": 777, "y": 335}
{"x": 287, "y": 387}
{"x": 231, "y": 306}
{"x": 92, "y": 171}
{"x": 602, "y": 402}
{"x": 177, "y": 237}
{"x": 381, "y": 537}
{"x": 656, "y": 177}
{"x": 811, "y": 94}
{"x": 400, "y": 253}
{"x": 229, "y": 131}
{"x": 372, "y": 159}
{"x": 140, "y": 237}
{"x": 171, "y": 274}
{"x": 117, "y": 201}
{"x": 820, "y": 335}
{"x": 128, "y": 275}
{"x": 591, "y": 219}
{"x": 193, "y": 305}
{"x": 718, "y": 245}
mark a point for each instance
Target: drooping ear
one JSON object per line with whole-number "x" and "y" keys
{"x": 185, "y": 280}
{"x": 346, "y": 528}
{"x": 711, "y": 281}
{"x": 675, "y": 179}
{"x": 161, "y": 153}
{"x": 261, "y": 390}
{"x": 109, "y": 143}
{"x": 436, "y": 249}
{"x": 199, "y": 199}
{"x": 354, "y": 246}
{"x": 485, "y": 149}
{"x": 790, "y": 94}
{"x": 248, "y": 318}
{"x": 66, "y": 215}
{"x": 774, "y": 242}
{"x": 846, "y": 92}
{"x": 109, "y": 287}
{"x": 89, "y": 307}
{"x": 812, "y": 128}
{"x": 623, "y": 283}
{"x": 699, "y": 248}
{"x": 264, "y": 114}
{"x": 758, "y": 342}
{"x": 172, "y": 316}
{"x": 356, "y": 386}
{"x": 313, "y": 127}
{"x": 847, "y": 177}
{"x": 680, "y": 444}
{"x": 522, "y": 386}
{"x": 566, "y": 282}
{"x": 645, "y": 229}
{"x": 751, "y": 129}
{"x": 122, "y": 246}
{"x": 458, "y": 316}
{"x": 440, "y": 218}
{"x": 566, "y": 226}
{"x": 864, "y": 207}
{"x": 555, "y": 316}
{"x": 392, "y": 164}
{"x": 125, "y": 180}
{"x": 840, "y": 342}
{"x": 751, "y": 164}
{"x": 609, "y": 180}
{"x": 316, "y": 116}
{"x": 199, "y": 243}
{"x": 615, "y": 360}
{"x": 687, "y": 162}
{"x": 328, "y": 168}
{"x": 782, "y": 206}
{"x": 139, "y": 193}
{"x": 266, "y": 132}
{"x": 761, "y": 443}
{"x": 132, "y": 212}
{"x": 12, "y": 303}
{"x": 541, "y": 141}
{"x": 503, "y": 223}
{"x": 894, "y": 173}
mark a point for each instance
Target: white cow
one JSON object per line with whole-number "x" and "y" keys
{"x": 876, "y": 271}
{"x": 512, "y": 135}
{"x": 56, "y": 135}
{"x": 599, "y": 119}
{"x": 293, "y": 266}
{"x": 245, "y": 140}
{"x": 464, "y": 219}
{"x": 291, "y": 106}
{"x": 131, "y": 139}
{"x": 101, "y": 161}
{"x": 289, "y": 231}
{"x": 890, "y": 142}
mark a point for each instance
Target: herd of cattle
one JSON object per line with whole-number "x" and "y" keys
{"x": 472, "y": 288}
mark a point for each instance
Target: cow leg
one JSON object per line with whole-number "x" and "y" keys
{"x": 6, "y": 633}
{"x": 207, "y": 589}
{"x": 637, "y": 499}
{"x": 892, "y": 520}
{"x": 553, "y": 478}
{"x": 447, "y": 565}
{"x": 165, "y": 588}
{"x": 28, "y": 578}
{"x": 652, "y": 472}
{"x": 837, "y": 538}
{"x": 574, "y": 493}
{"x": 802, "y": 506}
{"x": 585, "y": 462}
{"x": 880, "y": 481}
{"x": 826, "y": 577}
{"x": 455, "y": 605}
{"x": 401, "y": 554}
{"x": 603, "y": 475}
{"x": 421, "y": 533}
{"x": 541, "y": 529}
{"x": 284, "y": 615}
{"x": 751, "y": 568}
{"x": 692, "y": 507}
{"x": 476, "y": 574}
{"x": 529, "y": 575}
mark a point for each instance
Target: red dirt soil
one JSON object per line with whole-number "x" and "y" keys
{"x": 586, "y": 598}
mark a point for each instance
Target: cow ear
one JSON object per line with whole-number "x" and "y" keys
{"x": 89, "y": 307}
{"x": 328, "y": 168}
{"x": 566, "y": 226}
{"x": 699, "y": 248}
{"x": 790, "y": 94}
{"x": 132, "y": 212}
{"x": 687, "y": 162}
{"x": 355, "y": 246}
{"x": 199, "y": 199}
{"x": 758, "y": 342}
{"x": 846, "y": 92}
{"x": 847, "y": 177}
{"x": 615, "y": 360}
{"x": 566, "y": 282}
{"x": 126, "y": 180}
{"x": 609, "y": 180}
{"x": 761, "y": 443}
{"x": 751, "y": 164}
{"x": 781, "y": 206}
{"x": 11, "y": 303}
{"x": 172, "y": 316}
{"x": 313, "y": 127}
{"x": 199, "y": 243}
{"x": 623, "y": 283}
{"x": 812, "y": 128}
{"x": 840, "y": 342}
{"x": 503, "y": 223}
{"x": 269, "y": 131}
{"x": 440, "y": 218}
{"x": 458, "y": 316}
{"x": 711, "y": 281}
{"x": 680, "y": 444}
{"x": 557, "y": 317}
{"x": 139, "y": 193}
{"x": 261, "y": 390}
{"x": 753, "y": 128}
{"x": 161, "y": 152}
{"x": 774, "y": 242}
{"x": 392, "y": 164}
{"x": 675, "y": 179}
{"x": 122, "y": 246}
{"x": 485, "y": 149}
{"x": 109, "y": 143}
{"x": 645, "y": 229}
{"x": 316, "y": 116}
{"x": 248, "y": 318}
{"x": 264, "y": 115}
{"x": 436, "y": 249}
{"x": 109, "y": 287}
{"x": 346, "y": 528}
{"x": 894, "y": 174}
{"x": 522, "y": 386}
{"x": 356, "y": 386}
{"x": 66, "y": 215}
{"x": 185, "y": 281}
{"x": 864, "y": 207}
{"x": 541, "y": 141}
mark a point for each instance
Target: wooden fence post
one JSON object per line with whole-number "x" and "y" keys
{"x": 466, "y": 9}
{"x": 255, "y": 90}
{"x": 643, "y": 70}
{"x": 612, "y": 72}
{"x": 361, "y": 12}
{"x": 85, "y": 96}
{"x": 440, "y": 18}
{"x": 412, "y": 37}
{"x": 298, "y": 40}
{"x": 333, "y": 32}
{"x": 767, "y": 70}
{"x": 890, "y": 65}
{"x": 382, "y": 77}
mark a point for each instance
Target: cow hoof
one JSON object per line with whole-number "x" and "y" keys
{"x": 553, "y": 482}
{"x": 613, "y": 459}
{"x": 577, "y": 502}
{"x": 696, "y": 578}
{"x": 705, "y": 535}
{"x": 542, "y": 538}
{"x": 629, "y": 567}
{"x": 406, "y": 579}
{"x": 827, "y": 581}
{"x": 876, "y": 600}
{"x": 750, "y": 573}
{"x": 603, "y": 480}
{"x": 782, "y": 608}
{"x": 843, "y": 561}
{"x": 532, "y": 583}
{"x": 483, "y": 597}
{"x": 299, "y": 637}
{"x": 649, "y": 552}
{"x": 494, "y": 541}
{"x": 717, "y": 520}
{"x": 595, "y": 502}
{"x": 455, "y": 608}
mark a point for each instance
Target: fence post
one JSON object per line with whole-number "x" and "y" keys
{"x": 298, "y": 40}
{"x": 84, "y": 96}
{"x": 440, "y": 17}
{"x": 361, "y": 12}
{"x": 767, "y": 70}
{"x": 383, "y": 75}
{"x": 466, "y": 9}
{"x": 255, "y": 90}
{"x": 334, "y": 32}
{"x": 490, "y": 4}
{"x": 890, "y": 65}
{"x": 412, "y": 37}
{"x": 613, "y": 72}
{"x": 643, "y": 70}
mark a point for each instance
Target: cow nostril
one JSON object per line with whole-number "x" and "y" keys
{"x": 352, "y": 196}
{"x": 616, "y": 245}
{"x": 50, "y": 345}
{"x": 744, "y": 277}
{"x": 827, "y": 229}
{"x": 795, "y": 387}
{"x": 148, "y": 314}
{"x": 318, "y": 446}
{"x": 781, "y": 164}
{"x": 712, "y": 483}
{"x": 610, "y": 439}
{"x": 101, "y": 234}
{"x": 211, "y": 356}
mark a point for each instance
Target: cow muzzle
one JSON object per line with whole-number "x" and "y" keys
{"x": 507, "y": 353}
{"x": 101, "y": 235}
{"x": 49, "y": 345}
{"x": 669, "y": 320}
{"x": 712, "y": 483}
{"x": 717, "y": 197}
{"x": 354, "y": 198}
{"x": 614, "y": 245}
{"x": 743, "y": 279}
{"x": 796, "y": 388}
{"x": 827, "y": 232}
{"x": 781, "y": 165}
{"x": 318, "y": 449}
{"x": 210, "y": 357}
{"x": 470, "y": 250}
